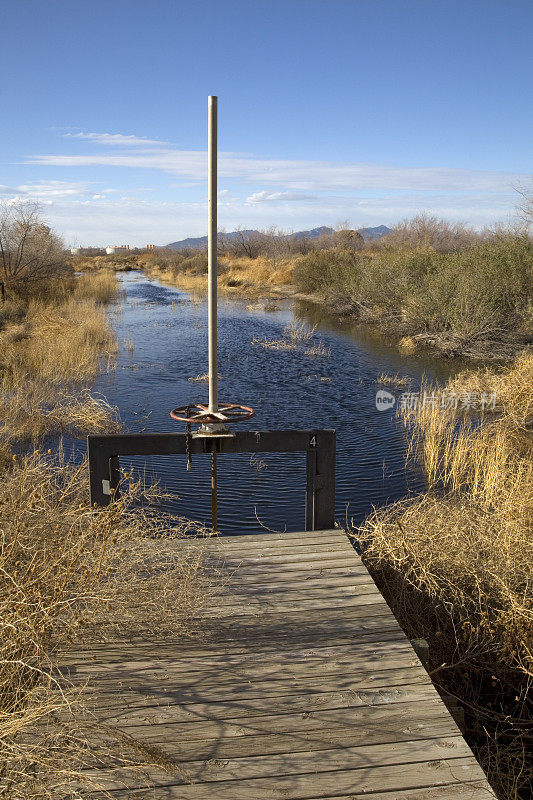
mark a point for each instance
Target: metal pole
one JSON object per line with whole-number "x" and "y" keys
{"x": 212, "y": 254}
{"x": 214, "y": 512}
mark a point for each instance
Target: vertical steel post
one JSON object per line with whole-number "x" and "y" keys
{"x": 212, "y": 253}
{"x": 214, "y": 509}
{"x": 212, "y": 237}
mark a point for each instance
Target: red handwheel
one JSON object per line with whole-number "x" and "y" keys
{"x": 199, "y": 413}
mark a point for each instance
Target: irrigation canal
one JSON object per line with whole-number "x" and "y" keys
{"x": 162, "y": 333}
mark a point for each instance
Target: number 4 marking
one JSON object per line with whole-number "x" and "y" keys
{"x": 312, "y": 441}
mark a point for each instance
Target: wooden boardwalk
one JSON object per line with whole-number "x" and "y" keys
{"x": 306, "y": 687}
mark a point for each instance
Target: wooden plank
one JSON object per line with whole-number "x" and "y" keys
{"x": 283, "y": 581}
{"x": 322, "y": 593}
{"x": 378, "y": 652}
{"x": 366, "y": 757}
{"x": 259, "y": 706}
{"x": 377, "y": 627}
{"x": 275, "y": 625}
{"x": 309, "y": 560}
{"x": 310, "y": 542}
{"x": 306, "y": 622}
{"x": 283, "y": 540}
{"x": 397, "y": 728}
{"x": 474, "y": 790}
{"x": 321, "y": 721}
{"x": 296, "y": 571}
{"x": 214, "y": 546}
{"x": 272, "y": 649}
{"x": 326, "y": 784}
{"x": 342, "y": 597}
{"x": 367, "y": 599}
{"x": 175, "y": 687}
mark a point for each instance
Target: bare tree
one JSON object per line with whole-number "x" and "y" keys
{"x": 348, "y": 239}
{"x": 29, "y": 250}
{"x": 525, "y": 206}
{"x": 247, "y": 243}
{"x": 428, "y": 231}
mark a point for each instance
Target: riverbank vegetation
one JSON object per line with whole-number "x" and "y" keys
{"x": 67, "y": 572}
{"x": 456, "y": 564}
{"x": 428, "y": 282}
{"x": 70, "y": 575}
{"x": 237, "y": 276}
{"x": 474, "y": 300}
{"x": 54, "y": 339}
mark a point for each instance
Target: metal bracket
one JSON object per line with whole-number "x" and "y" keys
{"x": 319, "y": 447}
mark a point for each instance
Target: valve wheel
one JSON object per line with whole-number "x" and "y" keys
{"x": 199, "y": 413}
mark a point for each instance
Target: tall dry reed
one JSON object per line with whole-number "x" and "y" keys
{"x": 48, "y": 356}
{"x": 456, "y": 564}
{"x": 100, "y": 286}
{"x": 68, "y": 572}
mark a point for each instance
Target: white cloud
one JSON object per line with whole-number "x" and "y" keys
{"x": 281, "y": 197}
{"x": 292, "y": 192}
{"x": 47, "y": 190}
{"x": 137, "y": 220}
{"x": 310, "y": 176}
{"x": 120, "y": 139}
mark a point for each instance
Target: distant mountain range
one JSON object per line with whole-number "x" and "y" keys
{"x": 201, "y": 241}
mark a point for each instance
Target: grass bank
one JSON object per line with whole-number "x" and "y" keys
{"x": 243, "y": 277}
{"x": 53, "y": 343}
{"x": 456, "y": 565}
{"x": 68, "y": 572}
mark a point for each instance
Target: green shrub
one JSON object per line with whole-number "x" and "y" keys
{"x": 196, "y": 265}
{"x": 334, "y": 269}
{"x": 483, "y": 290}
{"x": 478, "y": 291}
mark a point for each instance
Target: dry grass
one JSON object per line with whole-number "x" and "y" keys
{"x": 46, "y": 360}
{"x": 202, "y": 378}
{"x": 295, "y": 334}
{"x": 58, "y": 343}
{"x": 456, "y": 565}
{"x": 297, "y": 331}
{"x": 407, "y": 345}
{"x": 256, "y": 272}
{"x": 239, "y": 277}
{"x": 396, "y": 381}
{"x": 35, "y": 409}
{"x": 513, "y": 388}
{"x": 318, "y": 350}
{"x": 69, "y": 573}
{"x": 100, "y": 286}
{"x": 274, "y": 344}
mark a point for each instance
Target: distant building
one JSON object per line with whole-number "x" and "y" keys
{"x": 117, "y": 248}
{"x": 75, "y": 251}
{"x": 150, "y": 246}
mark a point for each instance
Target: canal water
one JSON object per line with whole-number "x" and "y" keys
{"x": 329, "y": 381}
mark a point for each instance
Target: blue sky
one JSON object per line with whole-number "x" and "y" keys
{"x": 330, "y": 110}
